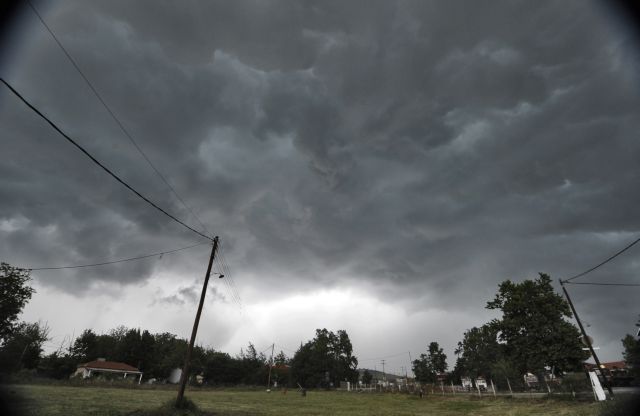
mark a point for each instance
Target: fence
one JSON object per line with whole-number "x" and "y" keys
{"x": 575, "y": 385}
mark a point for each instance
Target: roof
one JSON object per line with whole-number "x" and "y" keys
{"x": 610, "y": 365}
{"x": 109, "y": 365}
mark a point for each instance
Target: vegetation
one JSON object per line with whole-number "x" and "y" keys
{"x": 631, "y": 353}
{"x": 20, "y": 342}
{"x": 429, "y": 365}
{"x": 533, "y": 335}
{"x": 325, "y": 360}
{"x": 14, "y": 295}
{"x": 71, "y": 401}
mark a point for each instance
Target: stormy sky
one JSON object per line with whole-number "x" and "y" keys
{"x": 374, "y": 166}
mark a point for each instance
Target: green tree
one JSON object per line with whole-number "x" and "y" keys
{"x": 367, "y": 377}
{"x": 57, "y": 365}
{"x": 14, "y": 295}
{"x": 23, "y": 347}
{"x": 534, "y": 327}
{"x": 631, "y": 353}
{"x": 326, "y": 359}
{"x": 478, "y": 352}
{"x": 85, "y": 347}
{"x": 428, "y": 366}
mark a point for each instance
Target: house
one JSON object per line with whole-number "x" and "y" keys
{"x": 617, "y": 372}
{"x": 467, "y": 384}
{"x": 102, "y": 366}
{"x": 613, "y": 367}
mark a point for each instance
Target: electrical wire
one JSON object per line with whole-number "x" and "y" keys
{"x": 227, "y": 272}
{"x": 115, "y": 261}
{"x": 604, "y": 262}
{"x": 285, "y": 349}
{"x": 382, "y": 358}
{"x": 113, "y": 116}
{"x": 603, "y": 284}
{"x": 106, "y": 169}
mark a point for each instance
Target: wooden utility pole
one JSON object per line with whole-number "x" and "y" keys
{"x": 586, "y": 340}
{"x": 187, "y": 361}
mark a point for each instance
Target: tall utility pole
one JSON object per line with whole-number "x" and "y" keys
{"x": 384, "y": 376}
{"x": 586, "y": 340}
{"x": 187, "y": 361}
{"x": 270, "y": 366}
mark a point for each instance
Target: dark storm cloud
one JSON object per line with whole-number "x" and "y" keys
{"x": 424, "y": 147}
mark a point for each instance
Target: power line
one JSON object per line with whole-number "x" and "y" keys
{"x": 227, "y": 272}
{"x": 286, "y": 349}
{"x": 603, "y": 284}
{"x": 116, "y": 177}
{"x": 114, "y": 117}
{"x": 384, "y": 357}
{"x": 604, "y": 262}
{"x": 115, "y": 261}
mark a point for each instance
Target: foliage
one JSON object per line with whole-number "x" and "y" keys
{"x": 57, "y": 365}
{"x": 367, "y": 377}
{"x": 479, "y": 351}
{"x": 631, "y": 353}
{"x": 534, "y": 328}
{"x": 23, "y": 346}
{"x": 14, "y": 295}
{"x": 325, "y": 360}
{"x": 429, "y": 365}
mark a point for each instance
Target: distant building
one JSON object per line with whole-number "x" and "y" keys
{"x": 467, "y": 384}
{"x": 111, "y": 368}
{"x": 614, "y": 367}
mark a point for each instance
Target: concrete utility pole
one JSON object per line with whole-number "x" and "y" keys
{"x": 384, "y": 376}
{"x": 187, "y": 361}
{"x": 270, "y": 366}
{"x": 586, "y": 339}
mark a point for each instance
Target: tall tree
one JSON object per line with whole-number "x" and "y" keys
{"x": 631, "y": 353}
{"x": 534, "y": 327}
{"x": 85, "y": 347}
{"x": 23, "y": 347}
{"x": 479, "y": 350}
{"x": 15, "y": 292}
{"x": 428, "y": 366}
{"x": 367, "y": 377}
{"x": 325, "y": 360}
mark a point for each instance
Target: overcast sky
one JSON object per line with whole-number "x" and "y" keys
{"x": 378, "y": 167}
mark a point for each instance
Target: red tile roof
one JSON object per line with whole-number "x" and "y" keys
{"x": 109, "y": 365}
{"x": 610, "y": 365}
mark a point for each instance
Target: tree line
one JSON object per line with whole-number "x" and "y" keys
{"x": 323, "y": 361}
{"x": 532, "y": 335}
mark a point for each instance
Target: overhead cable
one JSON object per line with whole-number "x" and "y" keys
{"x": 97, "y": 162}
{"x": 603, "y": 284}
{"x": 160, "y": 253}
{"x": 114, "y": 117}
{"x": 385, "y": 357}
{"x": 604, "y": 262}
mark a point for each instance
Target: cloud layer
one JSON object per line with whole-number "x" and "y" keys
{"x": 421, "y": 152}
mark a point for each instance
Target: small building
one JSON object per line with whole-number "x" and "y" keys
{"x": 467, "y": 384}
{"x": 481, "y": 383}
{"x": 531, "y": 381}
{"x": 112, "y": 368}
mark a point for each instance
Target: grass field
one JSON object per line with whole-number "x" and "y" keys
{"x": 63, "y": 400}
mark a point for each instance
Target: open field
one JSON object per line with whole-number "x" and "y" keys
{"x": 66, "y": 400}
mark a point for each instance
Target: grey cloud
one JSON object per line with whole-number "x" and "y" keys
{"x": 420, "y": 147}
